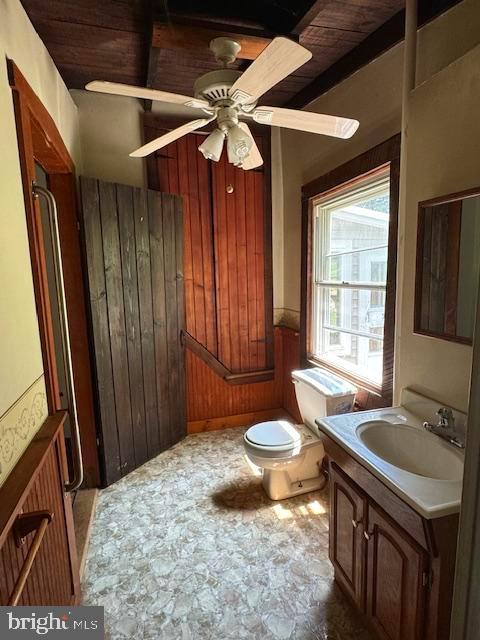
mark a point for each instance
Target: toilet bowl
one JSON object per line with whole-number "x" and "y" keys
{"x": 291, "y": 455}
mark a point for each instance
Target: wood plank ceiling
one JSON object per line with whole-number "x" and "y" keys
{"x": 111, "y": 39}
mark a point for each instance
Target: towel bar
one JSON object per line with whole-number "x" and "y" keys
{"x": 25, "y": 523}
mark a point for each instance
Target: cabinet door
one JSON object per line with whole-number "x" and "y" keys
{"x": 395, "y": 580}
{"x": 347, "y": 512}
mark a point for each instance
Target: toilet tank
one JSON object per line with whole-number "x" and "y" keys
{"x": 321, "y": 393}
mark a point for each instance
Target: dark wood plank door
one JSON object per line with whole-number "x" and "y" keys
{"x": 396, "y": 575}
{"x": 347, "y": 550}
{"x": 134, "y": 253}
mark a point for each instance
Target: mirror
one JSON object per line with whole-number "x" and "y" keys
{"x": 448, "y": 266}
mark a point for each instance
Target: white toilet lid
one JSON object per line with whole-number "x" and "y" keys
{"x": 275, "y": 434}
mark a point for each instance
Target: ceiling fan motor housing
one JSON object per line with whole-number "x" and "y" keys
{"x": 214, "y": 85}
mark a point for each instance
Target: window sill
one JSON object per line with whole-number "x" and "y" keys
{"x": 342, "y": 373}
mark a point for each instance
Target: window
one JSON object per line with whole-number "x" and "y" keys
{"x": 349, "y": 262}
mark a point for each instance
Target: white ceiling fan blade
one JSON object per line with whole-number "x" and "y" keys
{"x": 118, "y": 89}
{"x": 254, "y": 159}
{"x": 276, "y": 62}
{"x": 306, "y": 121}
{"x": 169, "y": 137}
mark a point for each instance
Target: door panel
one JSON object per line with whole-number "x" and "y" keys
{"x": 347, "y": 512}
{"x": 395, "y": 571}
{"x": 133, "y": 245}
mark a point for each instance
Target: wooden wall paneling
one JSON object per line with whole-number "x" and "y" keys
{"x": 126, "y": 227}
{"x": 206, "y": 222}
{"x": 259, "y": 257}
{"x": 221, "y": 262}
{"x": 36, "y": 484}
{"x": 142, "y": 243}
{"x": 230, "y": 331}
{"x": 290, "y": 362}
{"x": 171, "y": 218}
{"x": 241, "y": 268}
{"x": 213, "y": 401}
{"x": 101, "y": 336}
{"x": 116, "y": 323}
{"x": 157, "y": 260}
{"x": 195, "y": 234}
{"x": 181, "y": 391}
{"x": 251, "y": 270}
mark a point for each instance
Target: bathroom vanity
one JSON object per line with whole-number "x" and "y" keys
{"x": 393, "y": 530}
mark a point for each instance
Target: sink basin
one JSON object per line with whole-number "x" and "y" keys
{"x": 411, "y": 449}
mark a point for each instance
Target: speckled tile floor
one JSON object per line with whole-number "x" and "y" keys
{"x": 188, "y": 547}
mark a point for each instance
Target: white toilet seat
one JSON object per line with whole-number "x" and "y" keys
{"x": 274, "y": 439}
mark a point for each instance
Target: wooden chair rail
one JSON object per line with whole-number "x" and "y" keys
{"x": 220, "y": 369}
{"x": 42, "y": 520}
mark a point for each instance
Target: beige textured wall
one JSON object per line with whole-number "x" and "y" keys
{"x": 110, "y": 128}
{"x": 373, "y": 96}
{"x": 442, "y": 158}
{"x": 22, "y": 388}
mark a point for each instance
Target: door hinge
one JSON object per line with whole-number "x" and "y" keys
{"x": 427, "y": 579}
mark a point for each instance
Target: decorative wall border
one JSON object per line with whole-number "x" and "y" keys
{"x": 20, "y": 423}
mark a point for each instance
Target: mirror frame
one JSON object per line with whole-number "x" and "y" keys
{"x": 452, "y": 197}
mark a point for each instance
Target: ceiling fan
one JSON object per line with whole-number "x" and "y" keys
{"x": 230, "y": 97}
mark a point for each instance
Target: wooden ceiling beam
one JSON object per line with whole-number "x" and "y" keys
{"x": 186, "y": 37}
{"x": 309, "y": 16}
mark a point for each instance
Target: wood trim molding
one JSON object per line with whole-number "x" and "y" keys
{"x": 48, "y": 146}
{"x": 376, "y": 160}
{"x": 220, "y": 369}
{"x": 239, "y": 420}
{"x": 40, "y": 141}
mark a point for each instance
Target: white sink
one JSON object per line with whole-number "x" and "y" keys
{"x": 421, "y": 468}
{"x": 408, "y": 448}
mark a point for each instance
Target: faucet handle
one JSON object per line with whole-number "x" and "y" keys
{"x": 446, "y": 416}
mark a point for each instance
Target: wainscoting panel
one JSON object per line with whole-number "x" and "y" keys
{"x": 213, "y": 403}
{"x": 36, "y": 484}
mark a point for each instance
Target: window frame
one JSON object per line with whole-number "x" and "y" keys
{"x": 321, "y": 208}
{"x": 383, "y": 158}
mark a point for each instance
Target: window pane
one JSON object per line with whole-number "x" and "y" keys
{"x": 362, "y": 266}
{"x": 351, "y": 246}
{"x": 359, "y": 355}
{"x": 358, "y": 233}
{"x": 358, "y": 310}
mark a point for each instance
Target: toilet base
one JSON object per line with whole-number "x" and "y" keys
{"x": 278, "y": 484}
{"x": 293, "y": 480}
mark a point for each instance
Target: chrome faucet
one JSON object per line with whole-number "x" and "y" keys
{"x": 446, "y": 427}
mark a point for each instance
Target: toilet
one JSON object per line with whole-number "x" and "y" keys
{"x": 291, "y": 455}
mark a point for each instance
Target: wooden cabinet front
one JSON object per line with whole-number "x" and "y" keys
{"x": 396, "y": 573}
{"x": 347, "y": 514}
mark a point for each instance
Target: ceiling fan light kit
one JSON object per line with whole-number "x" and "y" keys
{"x": 230, "y": 97}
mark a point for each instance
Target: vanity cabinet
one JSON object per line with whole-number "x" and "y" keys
{"x": 396, "y": 567}
{"x": 346, "y": 542}
{"x": 396, "y": 579}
